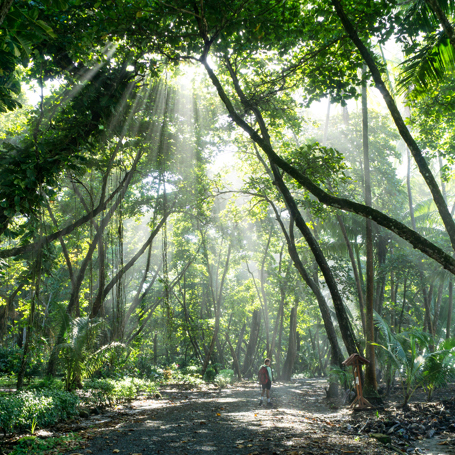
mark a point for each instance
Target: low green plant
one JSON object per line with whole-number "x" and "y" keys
{"x": 210, "y": 374}
{"x": 406, "y": 352}
{"x": 341, "y": 376}
{"x": 31, "y": 445}
{"x": 102, "y": 392}
{"x": 79, "y": 353}
{"x": 31, "y": 409}
{"x": 224, "y": 377}
{"x": 49, "y": 382}
{"x": 439, "y": 367}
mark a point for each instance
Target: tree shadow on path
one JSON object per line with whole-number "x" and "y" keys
{"x": 228, "y": 422}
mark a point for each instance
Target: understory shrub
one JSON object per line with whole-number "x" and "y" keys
{"x": 210, "y": 374}
{"x": 102, "y": 392}
{"x": 31, "y": 409}
{"x": 224, "y": 377}
{"x": 31, "y": 445}
{"x": 10, "y": 359}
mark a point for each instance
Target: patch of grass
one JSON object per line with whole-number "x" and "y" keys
{"x": 32, "y": 445}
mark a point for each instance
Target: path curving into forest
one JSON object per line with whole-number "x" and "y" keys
{"x": 226, "y": 422}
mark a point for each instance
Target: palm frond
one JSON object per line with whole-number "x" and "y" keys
{"x": 428, "y": 65}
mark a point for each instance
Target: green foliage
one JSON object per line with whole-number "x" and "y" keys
{"x": 439, "y": 367}
{"x": 79, "y": 353}
{"x": 10, "y": 359}
{"x": 31, "y": 445}
{"x": 103, "y": 392}
{"x": 49, "y": 382}
{"x": 344, "y": 377}
{"x": 224, "y": 377}
{"x": 28, "y": 409}
{"x": 323, "y": 165}
{"x": 405, "y": 351}
{"x": 210, "y": 374}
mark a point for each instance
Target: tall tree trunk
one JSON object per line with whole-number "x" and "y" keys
{"x": 437, "y": 309}
{"x": 408, "y": 185}
{"x": 234, "y": 358}
{"x": 278, "y": 348}
{"x": 252, "y": 342}
{"x": 450, "y": 309}
{"x": 337, "y": 356}
{"x": 356, "y": 273}
{"x": 417, "y": 154}
{"x": 30, "y": 323}
{"x": 381, "y": 248}
{"x": 344, "y": 323}
{"x": 326, "y": 125}
{"x": 239, "y": 346}
{"x": 370, "y": 374}
{"x": 217, "y": 298}
{"x": 292, "y": 347}
{"x": 264, "y": 297}
{"x": 400, "y": 323}
{"x": 282, "y": 285}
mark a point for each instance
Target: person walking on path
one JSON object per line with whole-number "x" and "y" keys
{"x": 265, "y": 379}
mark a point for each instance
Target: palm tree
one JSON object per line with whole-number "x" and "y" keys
{"x": 404, "y": 353}
{"x": 80, "y": 353}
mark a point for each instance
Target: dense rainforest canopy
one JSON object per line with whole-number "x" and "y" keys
{"x": 210, "y": 183}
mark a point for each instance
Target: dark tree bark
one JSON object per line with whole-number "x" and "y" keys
{"x": 347, "y": 332}
{"x": 343, "y": 320}
{"x": 370, "y": 374}
{"x": 32, "y": 247}
{"x": 7, "y": 310}
{"x": 234, "y": 358}
{"x": 4, "y": 9}
{"x": 408, "y": 185}
{"x": 450, "y": 309}
{"x": 443, "y": 20}
{"x": 217, "y": 299}
{"x": 416, "y": 240}
{"x": 356, "y": 273}
{"x": 239, "y": 346}
{"x": 252, "y": 342}
{"x": 337, "y": 356}
{"x": 420, "y": 160}
{"x": 264, "y": 297}
{"x": 292, "y": 347}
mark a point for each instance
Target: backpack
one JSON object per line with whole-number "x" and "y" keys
{"x": 263, "y": 375}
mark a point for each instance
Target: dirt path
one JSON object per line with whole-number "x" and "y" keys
{"x": 227, "y": 422}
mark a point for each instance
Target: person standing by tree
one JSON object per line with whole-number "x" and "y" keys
{"x": 265, "y": 379}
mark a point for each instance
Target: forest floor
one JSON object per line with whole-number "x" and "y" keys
{"x": 231, "y": 421}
